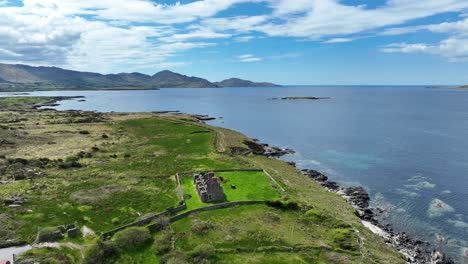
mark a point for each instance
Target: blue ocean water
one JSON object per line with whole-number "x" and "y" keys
{"x": 408, "y": 145}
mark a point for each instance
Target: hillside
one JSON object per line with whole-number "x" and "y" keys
{"x": 28, "y": 78}
{"x": 236, "y": 82}
{"x": 79, "y": 175}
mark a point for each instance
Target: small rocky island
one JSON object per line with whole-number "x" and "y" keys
{"x": 300, "y": 98}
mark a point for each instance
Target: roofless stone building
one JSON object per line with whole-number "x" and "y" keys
{"x": 208, "y": 187}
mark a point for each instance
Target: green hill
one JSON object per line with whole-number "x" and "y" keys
{"x": 28, "y": 78}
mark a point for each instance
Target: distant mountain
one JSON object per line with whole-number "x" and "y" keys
{"x": 236, "y": 82}
{"x": 172, "y": 79}
{"x": 29, "y": 78}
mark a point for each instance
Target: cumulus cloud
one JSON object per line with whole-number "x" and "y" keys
{"x": 248, "y": 58}
{"x": 91, "y": 35}
{"x": 201, "y": 33}
{"x": 338, "y": 40}
{"x": 454, "y": 48}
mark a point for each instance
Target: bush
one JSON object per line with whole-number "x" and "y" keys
{"x": 200, "y": 227}
{"x": 69, "y": 164}
{"x": 132, "y": 238}
{"x": 203, "y": 251}
{"x": 102, "y": 253}
{"x": 160, "y": 223}
{"x": 163, "y": 244}
{"x": 49, "y": 234}
{"x": 315, "y": 215}
{"x": 174, "y": 258}
{"x": 115, "y": 220}
{"x": 345, "y": 239}
{"x": 284, "y": 205}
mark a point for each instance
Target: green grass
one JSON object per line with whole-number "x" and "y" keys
{"x": 266, "y": 234}
{"x": 249, "y": 186}
{"x": 17, "y": 103}
{"x": 109, "y": 192}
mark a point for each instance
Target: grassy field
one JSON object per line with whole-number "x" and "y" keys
{"x": 106, "y": 170}
{"x": 249, "y": 186}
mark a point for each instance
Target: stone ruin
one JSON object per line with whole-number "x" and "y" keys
{"x": 208, "y": 187}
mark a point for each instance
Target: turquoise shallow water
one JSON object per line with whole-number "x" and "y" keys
{"x": 407, "y": 145}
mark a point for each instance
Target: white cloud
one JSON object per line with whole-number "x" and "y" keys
{"x": 454, "y": 48}
{"x": 201, "y": 33}
{"x": 329, "y": 17}
{"x": 244, "y": 38}
{"x": 286, "y": 56}
{"x": 338, "y": 40}
{"x": 248, "y": 58}
{"x": 98, "y": 35}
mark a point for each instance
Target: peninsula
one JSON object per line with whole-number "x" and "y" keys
{"x": 123, "y": 188}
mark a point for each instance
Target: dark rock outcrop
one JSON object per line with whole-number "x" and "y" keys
{"x": 266, "y": 150}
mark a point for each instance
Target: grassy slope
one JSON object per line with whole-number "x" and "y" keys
{"x": 108, "y": 192}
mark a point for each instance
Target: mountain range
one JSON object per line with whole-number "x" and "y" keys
{"x": 29, "y": 78}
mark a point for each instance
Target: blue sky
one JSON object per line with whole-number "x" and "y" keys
{"x": 283, "y": 41}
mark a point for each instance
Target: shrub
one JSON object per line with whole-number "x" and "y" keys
{"x": 163, "y": 244}
{"x": 315, "y": 215}
{"x": 203, "y": 251}
{"x": 72, "y": 159}
{"x": 160, "y": 223}
{"x": 102, "y": 253}
{"x": 284, "y": 205}
{"x": 132, "y": 238}
{"x": 49, "y": 234}
{"x": 201, "y": 227}
{"x": 115, "y": 220}
{"x": 174, "y": 258}
{"x": 69, "y": 164}
{"x": 344, "y": 239}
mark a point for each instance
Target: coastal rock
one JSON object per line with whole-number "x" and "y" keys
{"x": 266, "y": 150}
{"x": 321, "y": 179}
{"x": 277, "y": 152}
{"x": 438, "y": 207}
{"x": 358, "y": 196}
{"x": 203, "y": 118}
{"x": 255, "y": 147}
{"x": 416, "y": 251}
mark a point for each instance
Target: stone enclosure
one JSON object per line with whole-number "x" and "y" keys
{"x": 208, "y": 187}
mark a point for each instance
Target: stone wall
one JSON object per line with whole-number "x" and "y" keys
{"x": 213, "y": 207}
{"x": 145, "y": 221}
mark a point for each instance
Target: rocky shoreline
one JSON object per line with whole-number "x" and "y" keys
{"x": 416, "y": 251}
{"x": 54, "y": 102}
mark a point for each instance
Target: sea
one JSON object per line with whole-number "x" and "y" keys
{"x": 407, "y": 145}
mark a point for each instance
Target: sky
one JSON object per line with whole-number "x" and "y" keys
{"x": 295, "y": 42}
